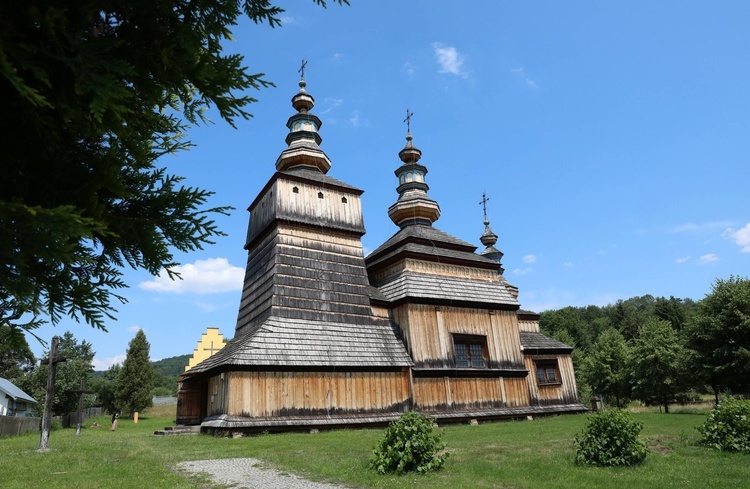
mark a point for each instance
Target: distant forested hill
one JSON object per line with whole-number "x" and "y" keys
{"x": 171, "y": 366}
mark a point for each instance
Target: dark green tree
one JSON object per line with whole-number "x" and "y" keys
{"x": 93, "y": 95}
{"x": 77, "y": 367}
{"x": 16, "y": 358}
{"x": 719, "y": 336}
{"x": 659, "y": 364}
{"x": 105, "y": 388}
{"x": 136, "y": 380}
{"x": 607, "y": 367}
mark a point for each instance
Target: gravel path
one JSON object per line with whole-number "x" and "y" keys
{"x": 249, "y": 473}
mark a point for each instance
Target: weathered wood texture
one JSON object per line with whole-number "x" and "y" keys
{"x": 325, "y": 201}
{"x": 191, "y": 402}
{"x": 531, "y": 326}
{"x": 563, "y": 393}
{"x": 428, "y": 332}
{"x": 446, "y": 393}
{"x": 300, "y": 272}
{"x": 263, "y": 394}
{"x": 516, "y": 392}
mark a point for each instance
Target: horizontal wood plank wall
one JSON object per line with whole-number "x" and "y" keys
{"x": 262, "y": 394}
{"x": 564, "y": 393}
{"x": 516, "y": 392}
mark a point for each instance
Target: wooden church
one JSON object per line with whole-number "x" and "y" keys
{"x": 328, "y": 338}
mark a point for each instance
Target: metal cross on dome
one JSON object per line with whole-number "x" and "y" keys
{"x": 483, "y": 203}
{"x": 408, "y": 120}
{"x": 302, "y": 68}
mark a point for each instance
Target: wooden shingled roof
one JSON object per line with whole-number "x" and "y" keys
{"x": 294, "y": 343}
{"x": 414, "y": 286}
{"x": 532, "y": 342}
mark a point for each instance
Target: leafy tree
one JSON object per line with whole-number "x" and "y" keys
{"x": 719, "y": 335}
{"x": 94, "y": 93}
{"x": 607, "y": 367}
{"x": 16, "y": 358}
{"x": 136, "y": 380}
{"x": 105, "y": 388}
{"x": 77, "y": 367}
{"x": 659, "y": 364}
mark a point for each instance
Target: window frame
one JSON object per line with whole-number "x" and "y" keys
{"x": 544, "y": 366}
{"x": 467, "y": 341}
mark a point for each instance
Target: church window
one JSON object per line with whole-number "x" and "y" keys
{"x": 470, "y": 351}
{"x": 295, "y": 190}
{"x": 343, "y": 200}
{"x": 547, "y": 372}
{"x": 320, "y": 195}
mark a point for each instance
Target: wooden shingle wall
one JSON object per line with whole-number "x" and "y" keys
{"x": 263, "y": 394}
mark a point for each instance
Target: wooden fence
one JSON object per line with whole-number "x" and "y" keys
{"x": 17, "y": 425}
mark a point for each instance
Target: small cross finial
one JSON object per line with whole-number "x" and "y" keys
{"x": 409, "y": 114}
{"x": 483, "y": 203}
{"x": 301, "y": 70}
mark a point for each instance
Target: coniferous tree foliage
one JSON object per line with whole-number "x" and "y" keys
{"x": 68, "y": 378}
{"x": 93, "y": 95}
{"x": 719, "y": 336}
{"x": 136, "y": 379}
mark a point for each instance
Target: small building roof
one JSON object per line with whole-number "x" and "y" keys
{"x": 532, "y": 342}
{"x": 14, "y": 392}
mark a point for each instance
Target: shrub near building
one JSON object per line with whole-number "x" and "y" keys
{"x": 728, "y": 426}
{"x": 610, "y": 438}
{"x": 409, "y": 444}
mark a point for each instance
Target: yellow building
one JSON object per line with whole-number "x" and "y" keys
{"x": 211, "y": 341}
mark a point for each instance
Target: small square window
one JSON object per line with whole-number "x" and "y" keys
{"x": 320, "y": 195}
{"x": 295, "y": 190}
{"x": 547, "y": 372}
{"x": 470, "y": 351}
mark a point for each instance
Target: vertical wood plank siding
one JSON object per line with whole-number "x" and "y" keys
{"x": 528, "y": 325}
{"x": 447, "y": 393}
{"x": 544, "y": 395}
{"x": 428, "y": 331}
{"x": 262, "y": 394}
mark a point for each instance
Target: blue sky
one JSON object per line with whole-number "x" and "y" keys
{"x": 612, "y": 138}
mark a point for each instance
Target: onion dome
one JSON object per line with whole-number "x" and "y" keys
{"x": 413, "y": 206}
{"x": 303, "y": 139}
{"x": 489, "y": 238}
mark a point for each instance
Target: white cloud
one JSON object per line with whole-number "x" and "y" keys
{"x": 409, "y": 69}
{"x": 134, "y": 329}
{"x": 332, "y": 104}
{"x": 741, "y": 237}
{"x": 568, "y": 264}
{"x": 521, "y": 271}
{"x": 708, "y": 258}
{"x": 449, "y": 59}
{"x": 287, "y": 20}
{"x": 107, "y": 362}
{"x": 211, "y": 276}
{"x": 683, "y": 259}
{"x": 354, "y": 119}
{"x": 701, "y": 227}
{"x": 521, "y": 74}
{"x": 529, "y": 259}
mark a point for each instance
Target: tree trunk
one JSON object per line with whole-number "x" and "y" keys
{"x": 49, "y": 396}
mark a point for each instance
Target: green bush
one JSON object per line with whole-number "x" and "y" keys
{"x": 728, "y": 426}
{"x": 610, "y": 438}
{"x": 409, "y": 444}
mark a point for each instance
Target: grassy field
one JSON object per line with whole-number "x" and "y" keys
{"x": 519, "y": 454}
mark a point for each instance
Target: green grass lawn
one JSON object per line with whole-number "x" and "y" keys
{"x": 518, "y": 454}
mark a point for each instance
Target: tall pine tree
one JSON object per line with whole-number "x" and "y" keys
{"x": 136, "y": 377}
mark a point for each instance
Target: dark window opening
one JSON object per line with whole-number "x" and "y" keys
{"x": 343, "y": 200}
{"x": 470, "y": 351}
{"x": 547, "y": 372}
{"x": 320, "y": 195}
{"x": 295, "y": 190}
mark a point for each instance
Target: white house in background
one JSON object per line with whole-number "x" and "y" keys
{"x": 14, "y": 401}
